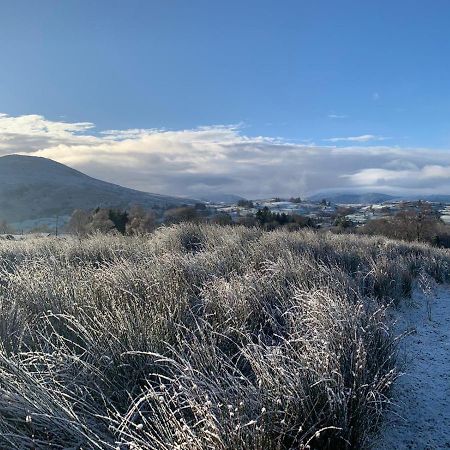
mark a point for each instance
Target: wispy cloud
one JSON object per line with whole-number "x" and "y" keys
{"x": 223, "y": 159}
{"x": 337, "y": 116}
{"x": 362, "y": 138}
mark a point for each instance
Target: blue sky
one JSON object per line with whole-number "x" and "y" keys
{"x": 305, "y": 72}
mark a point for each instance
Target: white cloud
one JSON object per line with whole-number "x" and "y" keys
{"x": 223, "y": 159}
{"x": 38, "y": 126}
{"x": 362, "y": 138}
{"x": 419, "y": 177}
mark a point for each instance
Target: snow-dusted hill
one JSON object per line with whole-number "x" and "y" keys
{"x": 32, "y": 187}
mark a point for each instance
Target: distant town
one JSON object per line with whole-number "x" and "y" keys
{"x": 326, "y": 214}
{"x": 420, "y": 220}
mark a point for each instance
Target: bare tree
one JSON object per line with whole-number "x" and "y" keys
{"x": 140, "y": 221}
{"x": 79, "y": 222}
{"x": 418, "y": 224}
{"x": 101, "y": 222}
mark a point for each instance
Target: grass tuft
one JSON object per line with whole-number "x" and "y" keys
{"x": 201, "y": 337}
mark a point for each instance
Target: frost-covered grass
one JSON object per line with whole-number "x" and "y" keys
{"x": 200, "y": 337}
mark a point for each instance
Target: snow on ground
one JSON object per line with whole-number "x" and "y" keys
{"x": 420, "y": 414}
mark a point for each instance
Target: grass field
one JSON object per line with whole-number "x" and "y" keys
{"x": 201, "y": 337}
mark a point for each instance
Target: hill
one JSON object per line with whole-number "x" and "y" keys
{"x": 33, "y": 188}
{"x": 353, "y": 197}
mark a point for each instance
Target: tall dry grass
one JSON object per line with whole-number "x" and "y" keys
{"x": 201, "y": 337}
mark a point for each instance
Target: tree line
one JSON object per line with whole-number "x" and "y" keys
{"x": 138, "y": 220}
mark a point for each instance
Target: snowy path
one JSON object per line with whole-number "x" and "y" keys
{"x": 420, "y": 416}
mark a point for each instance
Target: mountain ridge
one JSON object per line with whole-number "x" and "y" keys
{"x": 33, "y": 187}
{"x": 375, "y": 197}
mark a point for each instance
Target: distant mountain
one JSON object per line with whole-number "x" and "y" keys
{"x": 376, "y": 197}
{"x": 353, "y": 198}
{"x": 437, "y": 198}
{"x": 32, "y": 188}
{"x": 221, "y": 198}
